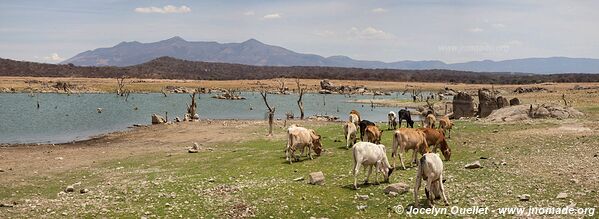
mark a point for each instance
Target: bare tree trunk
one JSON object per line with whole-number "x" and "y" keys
{"x": 120, "y": 86}
{"x": 191, "y": 108}
{"x": 271, "y": 112}
{"x": 300, "y": 103}
{"x": 564, "y": 98}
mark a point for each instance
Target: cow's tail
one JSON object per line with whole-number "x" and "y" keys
{"x": 396, "y": 140}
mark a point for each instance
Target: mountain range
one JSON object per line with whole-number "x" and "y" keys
{"x": 254, "y": 52}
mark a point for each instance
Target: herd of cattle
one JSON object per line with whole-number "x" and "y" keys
{"x": 369, "y": 152}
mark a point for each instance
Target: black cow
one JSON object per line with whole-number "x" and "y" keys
{"x": 363, "y": 125}
{"x": 404, "y": 114}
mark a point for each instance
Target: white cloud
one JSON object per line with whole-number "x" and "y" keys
{"x": 54, "y": 57}
{"x": 272, "y": 16}
{"x": 476, "y": 30}
{"x": 169, "y": 9}
{"x": 370, "y": 33}
{"x": 249, "y": 13}
{"x": 498, "y": 25}
{"x": 379, "y": 10}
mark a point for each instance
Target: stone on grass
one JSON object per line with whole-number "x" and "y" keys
{"x": 69, "y": 189}
{"x": 194, "y": 148}
{"x": 473, "y": 165}
{"x": 393, "y": 194}
{"x": 299, "y": 179}
{"x": 362, "y": 197}
{"x": 361, "y": 207}
{"x": 398, "y": 188}
{"x": 316, "y": 178}
{"x": 562, "y": 195}
{"x": 524, "y": 197}
{"x": 83, "y": 191}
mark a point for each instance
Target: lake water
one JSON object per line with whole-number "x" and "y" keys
{"x": 62, "y": 118}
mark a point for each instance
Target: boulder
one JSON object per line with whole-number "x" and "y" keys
{"x": 486, "y": 102}
{"x": 398, "y": 188}
{"x": 562, "y": 195}
{"x": 69, "y": 189}
{"x": 514, "y": 101}
{"x": 157, "y": 119}
{"x": 473, "y": 165}
{"x": 327, "y": 85}
{"x": 524, "y": 197}
{"x": 463, "y": 105}
{"x": 502, "y": 102}
{"x": 316, "y": 178}
{"x": 177, "y": 119}
{"x": 196, "y": 117}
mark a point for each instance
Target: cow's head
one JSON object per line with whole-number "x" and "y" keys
{"x": 445, "y": 150}
{"x": 317, "y": 146}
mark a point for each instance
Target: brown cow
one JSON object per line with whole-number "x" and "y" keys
{"x": 300, "y": 138}
{"x": 435, "y": 139}
{"x": 373, "y": 134}
{"x": 446, "y": 124}
{"x": 409, "y": 139}
{"x": 356, "y": 113}
{"x": 429, "y": 121}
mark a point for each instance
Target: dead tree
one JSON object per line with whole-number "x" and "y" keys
{"x": 120, "y": 91}
{"x": 191, "y": 108}
{"x": 282, "y": 88}
{"x": 271, "y": 112}
{"x": 300, "y": 103}
{"x": 564, "y": 98}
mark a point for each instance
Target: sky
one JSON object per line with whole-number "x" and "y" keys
{"x": 450, "y": 31}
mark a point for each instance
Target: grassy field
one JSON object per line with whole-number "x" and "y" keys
{"x": 252, "y": 178}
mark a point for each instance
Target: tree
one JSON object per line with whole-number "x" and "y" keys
{"x": 120, "y": 91}
{"x": 271, "y": 111}
{"x": 191, "y": 108}
{"x": 300, "y": 103}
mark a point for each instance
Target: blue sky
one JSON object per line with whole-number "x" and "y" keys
{"x": 450, "y": 31}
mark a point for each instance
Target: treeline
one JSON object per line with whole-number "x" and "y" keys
{"x": 171, "y": 68}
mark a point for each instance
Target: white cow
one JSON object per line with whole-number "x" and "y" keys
{"x": 300, "y": 138}
{"x": 350, "y": 130}
{"x": 353, "y": 118}
{"x": 391, "y": 120}
{"x": 431, "y": 170}
{"x": 368, "y": 155}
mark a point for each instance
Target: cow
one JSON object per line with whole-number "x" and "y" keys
{"x": 404, "y": 114}
{"x": 362, "y": 126}
{"x": 445, "y": 124}
{"x": 350, "y": 131}
{"x": 368, "y": 155}
{"x": 300, "y": 138}
{"x": 391, "y": 120}
{"x": 430, "y": 170}
{"x": 435, "y": 139}
{"x": 373, "y": 134}
{"x": 429, "y": 121}
{"x": 406, "y": 139}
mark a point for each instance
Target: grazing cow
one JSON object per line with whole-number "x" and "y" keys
{"x": 373, "y": 134}
{"x": 354, "y": 116}
{"x": 430, "y": 170}
{"x": 362, "y": 126}
{"x": 404, "y": 114}
{"x": 368, "y": 155}
{"x": 300, "y": 138}
{"x": 350, "y": 130}
{"x": 446, "y": 124}
{"x": 391, "y": 120}
{"x": 429, "y": 121}
{"x": 436, "y": 139}
{"x": 408, "y": 139}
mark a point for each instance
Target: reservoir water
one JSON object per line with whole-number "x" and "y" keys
{"x": 64, "y": 118}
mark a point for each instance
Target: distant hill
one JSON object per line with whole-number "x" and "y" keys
{"x": 171, "y": 68}
{"x": 254, "y": 52}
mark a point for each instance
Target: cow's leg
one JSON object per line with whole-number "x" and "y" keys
{"x": 347, "y": 139}
{"x": 402, "y": 151}
{"x": 449, "y": 130}
{"x": 356, "y": 171}
{"x": 368, "y": 176}
{"x": 310, "y": 152}
{"x": 416, "y": 188}
{"x": 443, "y": 190}
{"x": 414, "y": 155}
{"x": 431, "y": 195}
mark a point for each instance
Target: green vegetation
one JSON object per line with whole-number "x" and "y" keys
{"x": 253, "y": 178}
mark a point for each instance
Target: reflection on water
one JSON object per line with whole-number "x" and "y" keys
{"x": 61, "y": 118}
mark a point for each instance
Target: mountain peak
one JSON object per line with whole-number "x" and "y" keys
{"x": 252, "y": 41}
{"x": 174, "y": 39}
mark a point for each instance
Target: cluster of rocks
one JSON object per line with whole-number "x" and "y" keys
{"x": 158, "y": 119}
{"x": 327, "y": 87}
{"x": 529, "y": 90}
{"x": 533, "y": 111}
{"x": 184, "y": 90}
{"x": 228, "y": 96}
{"x": 323, "y": 118}
{"x": 8, "y": 90}
{"x": 578, "y": 87}
{"x": 463, "y": 103}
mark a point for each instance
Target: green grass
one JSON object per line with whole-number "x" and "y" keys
{"x": 255, "y": 174}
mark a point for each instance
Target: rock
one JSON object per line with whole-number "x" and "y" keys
{"x": 362, "y": 197}
{"x": 299, "y": 179}
{"x": 83, "y": 191}
{"x": 316, "y": 178}
{"x": 194, "y": 148}
{"x": 562, "y": 195}
{"x": 463, "y": 105}
{"x": 69, "y": 189}
{"x": 524, "y": 197}
{"x": 399, "y": 188}
{"x": 211, "y": 180}
{"x": 196, "y": 117}
{"x": 473, "y": 165}
{"x": 157, "y": 119}
{"x": 486, "y": 102}
{"x": 2, "y": 170}
{"x": 575, "y": 181}
{"x": 99, "y": 110}
{"x": 502, "y": 102}
{"x": 514, "y": 101}
{"x": 58, "y": 158}
{"x": 361, "y": 207}
{"x": 392, "y": 194}
{"x": 177, "y": 119}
